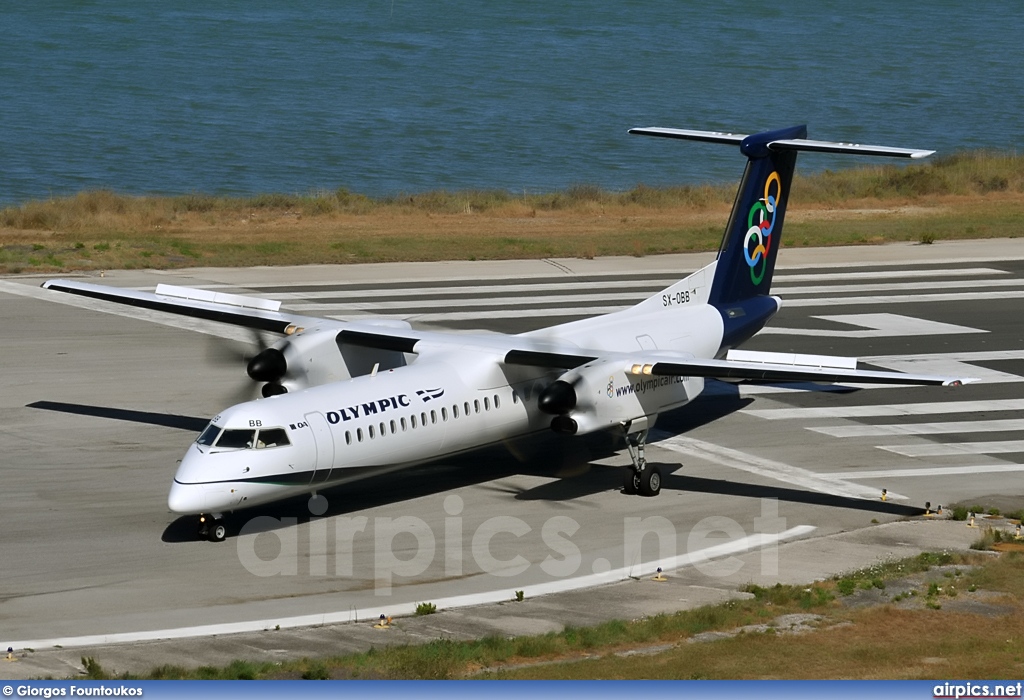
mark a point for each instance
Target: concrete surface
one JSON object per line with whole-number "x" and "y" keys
{"x": 96, "y": 407}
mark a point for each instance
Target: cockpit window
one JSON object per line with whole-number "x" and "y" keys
{"x": 236, "y": 439}
{"x": 272, "y": 437}
{"x": 208, "y": 436}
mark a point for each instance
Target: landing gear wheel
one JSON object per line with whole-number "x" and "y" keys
{"x": 218, "y": 532}
{"x": 650, "y": 481}
{"x": 632, "y": 482}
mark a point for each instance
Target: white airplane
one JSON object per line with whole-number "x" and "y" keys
{"x": 345, "y": 400}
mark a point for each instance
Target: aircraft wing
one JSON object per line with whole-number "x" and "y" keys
{"x": 738, "y": 365}
{"x": 780, "y": 367}
{"x": 237, "y": 310}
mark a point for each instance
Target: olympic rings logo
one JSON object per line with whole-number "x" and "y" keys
{"x": 760, "y": 222}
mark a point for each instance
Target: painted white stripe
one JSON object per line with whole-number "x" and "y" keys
{"x": 976, "y": 356}
{"x": 899, "y": 286}
{"x": 805, "y": 303}
{"x": 744, "y": 544}
{"x": 625, "y": 298}
{"x": 889, "y": 274}
{"x": 606, "y": 279}
{"x": 727, "y": 457}
{"x": 881, "y": 325}
{"x": 653, "y": 285}
{"x": 978, "y": 426}
{"x": 493, "y": 313}
{"x": 942, "y": 449}
{"x": 902, "y": 298}
{"x": 947, "y": 367}
{"x": 935, "y": 471}
{"x": 900, "y": 409}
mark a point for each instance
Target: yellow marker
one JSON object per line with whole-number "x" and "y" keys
{"x": 10, "y": 654}
{"x": 885, "y": 494}
{"x": 970, "y": 523}
{"x": 385, "y": 623}
{"x": 660, "y": 576}
{"x": 1016, "y": 534}
{"x": 928, "y": 510}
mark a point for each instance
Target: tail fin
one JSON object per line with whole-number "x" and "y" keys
{"x": 746, "y": 257}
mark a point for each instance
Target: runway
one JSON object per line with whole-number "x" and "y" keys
{"x": 97, "y": 407}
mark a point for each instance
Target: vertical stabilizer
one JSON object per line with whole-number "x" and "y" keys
{"x": 741, "y": 286}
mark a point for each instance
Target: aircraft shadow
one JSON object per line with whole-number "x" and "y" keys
{"x": 166, "y": 420}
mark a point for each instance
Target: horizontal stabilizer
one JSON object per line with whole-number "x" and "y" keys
{"x": 784, "y": 144}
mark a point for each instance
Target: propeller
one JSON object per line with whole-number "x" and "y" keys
{"x": 264, "y": 363}
{"x": 558, "y": 399}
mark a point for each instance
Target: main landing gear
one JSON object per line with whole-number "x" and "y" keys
{"x": 641, "y": 478}
{"x": 211, "y": 527}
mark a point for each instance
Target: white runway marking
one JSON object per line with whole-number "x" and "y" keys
{"x": 953, "y": 364}
{"x": 880, "y": 325}
{"x": 899, "y": 409}
{"x": 903, "y": 299}
{"x": 946, "y": 449}
{"x": 603, "y": 279}
{"x": 744, "y": 544}
{"x": 935, "y": 471}
{"x": 898, "y": 286}
{"x": 978, "y": 426}
{"x": 727, "y": 457}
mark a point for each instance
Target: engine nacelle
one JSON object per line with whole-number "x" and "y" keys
{"x": 605, "y": 393}
{"x": 314, "y": 356}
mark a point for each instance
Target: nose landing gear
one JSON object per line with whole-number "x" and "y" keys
{"x": 211, "y": 527}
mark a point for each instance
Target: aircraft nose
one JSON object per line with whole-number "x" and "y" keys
{"x": 185, "y": 498}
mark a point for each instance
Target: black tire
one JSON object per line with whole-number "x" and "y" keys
{"x": 218, "y": 532}
{"x": 650, "y": 481}
{"x": 631, "y": 485}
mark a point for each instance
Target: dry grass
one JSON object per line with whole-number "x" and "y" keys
{"x": 970, "y": 195}
{"x": 909, "y": 637}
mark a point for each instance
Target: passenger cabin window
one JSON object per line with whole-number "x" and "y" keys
{"x": 487, "y": 404}
{"x": 208, "y": 436}
{"x": 414, "y": 420}
{"x": 476, "y": 405}
{"x": 348, "y": 437}
{"x": 236, "y": 439}
{"x": 455, "y": 411}
{"x": 444, "y": 414}
{"x": 272, "y": 437}
{"x": 497, "y": 402}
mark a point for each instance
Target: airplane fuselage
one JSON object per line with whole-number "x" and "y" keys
{"x": 451, "y": 402}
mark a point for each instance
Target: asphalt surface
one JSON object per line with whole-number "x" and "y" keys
{"x": 97, "y": 407}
